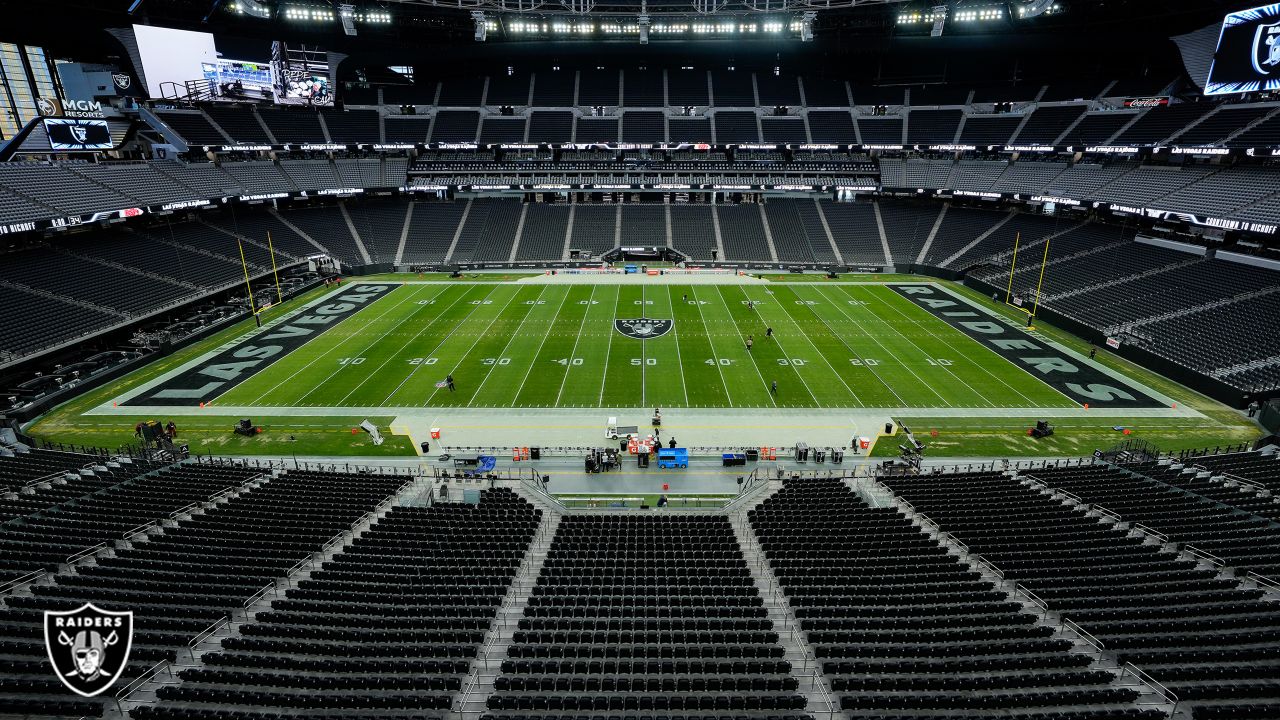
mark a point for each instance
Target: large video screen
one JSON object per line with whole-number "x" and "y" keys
{"x": 1248, "y": 54}
{"x": 73, "y": 135}
{"x": 171, "y": 58}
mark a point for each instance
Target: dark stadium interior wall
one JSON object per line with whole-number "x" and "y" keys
{"x": 903, "y": 60}
{"x": 865, "y": 53}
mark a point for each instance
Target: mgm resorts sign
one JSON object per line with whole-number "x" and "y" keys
{"x": 53, "y": 107}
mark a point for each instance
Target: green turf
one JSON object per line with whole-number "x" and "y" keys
{"x": 554, "y": 345}
{"x": 512, "y": 345}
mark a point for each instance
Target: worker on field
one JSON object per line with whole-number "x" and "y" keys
{"x": 768, "y": 332}
{"x": 449, "y": 379}
{"x": 774, "y": 387}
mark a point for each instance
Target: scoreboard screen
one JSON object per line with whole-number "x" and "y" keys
{"x": 1248, "y": 55}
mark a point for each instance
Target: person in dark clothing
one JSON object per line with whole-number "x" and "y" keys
{"x": 768, "y": 332}
{"x": 1253, "y": 408}
{"x": 774, "y": 387}
{"x": 449, "y": 379}
{"x": 1093, "y": 353}
{"x": 662, "y": 500}
{"x": 672, "y": 443}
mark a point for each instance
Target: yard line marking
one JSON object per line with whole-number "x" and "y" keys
{"x": 714, "y": 354}
{"x": 874, "y": 339}
{"x": 980, "y": 366}
{"x": 815, "y": 349}
{"x": 604, "y": 377}
{"x": 854, "y": 353}
{"x": 550, "y": 325}
{"x": 574, "y": 351}
{"x": 396, "y": 354}
{"x": 906, "y": 337}
{"x": 816, "y": 401}
{"x": 458, "y": 364}
{"x": 326, "y": 353}
{"x": 737, "y": 332}
{"x": 684, "y": 383}
{"x": 442, "y": 340}
{"x": 503, "y": 353}
{"x": 642, "y": 373}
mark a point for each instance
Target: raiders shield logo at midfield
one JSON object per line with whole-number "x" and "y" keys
{"x": 89, "y": 647}
{"x": 643, "y": 328}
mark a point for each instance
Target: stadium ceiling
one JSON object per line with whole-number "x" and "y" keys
{"x": 646, "y": 7}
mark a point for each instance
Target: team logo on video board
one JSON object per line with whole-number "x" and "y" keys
{"x": 89, "y": 647}
{"x": 122, "y": 80}
{"x": 643, "y": 328}
{"x": 1266, "y": 48}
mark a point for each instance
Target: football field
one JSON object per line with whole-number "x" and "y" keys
{"x": 635, "y": 345}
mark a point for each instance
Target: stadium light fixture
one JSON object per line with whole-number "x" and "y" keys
{"x": 307, "y": 13}
{"x": 1036, "y": 8}
{"x": 347, "y": 16}
{"x": 643, "y": 25}
{"x": 252, "y": 8}
{"x": 806, "y": 26}
{"x": 482, "y": 26}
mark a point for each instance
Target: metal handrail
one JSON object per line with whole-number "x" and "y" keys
{"x": 324, "y": 548}
{"x": 29, "y": 577}
{"x": 1146, "y": 679}
{"x": 85, "y": 553}
{"x": 139, "y": 530}
{"x": 139, "y": 681}
{"x": 298, "y": 565}
{"x": 1070, "y": 495}
{"x": 1263, "y": 580}
{"x": 1152, "y": 532}
{"x": 182, "y": 510}
{"x": 205, "y": 633}
{"x": 1084, "y": 634}
{"x": 256, "y": 596}
{"x": 223, "y": 492}
{"x": 990, "y": 565}
{"x": 1242, "y": 481}
{"x": 361, "y": 519}
{"x": 823, "y": 695}
{"x": 1206, "y": 556}
{"x": 1034, "y": 598}
{"x": 925, "y": 519}
{"x": 55, "y": 475}
{"x": 1108, "y": 513}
